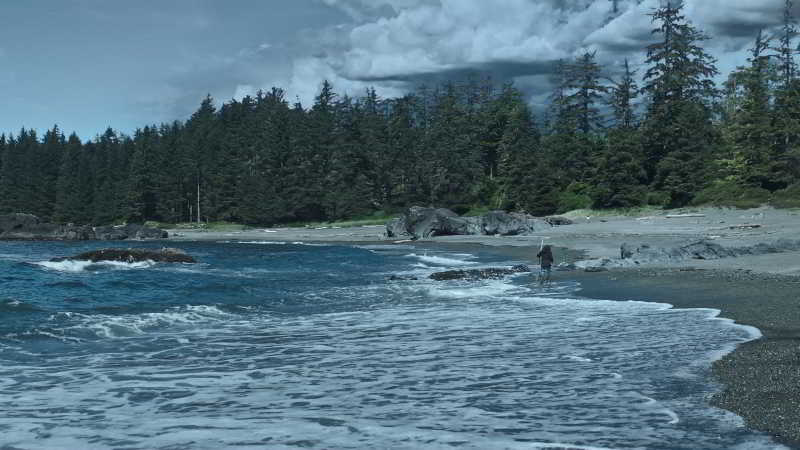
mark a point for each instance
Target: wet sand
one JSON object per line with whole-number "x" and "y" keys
{"x": 760, "y": 380}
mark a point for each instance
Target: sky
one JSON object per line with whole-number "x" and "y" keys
{"x": 86, "y": 65}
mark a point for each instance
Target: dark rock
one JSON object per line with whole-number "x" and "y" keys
{"x": 129, "y": 255}
{"x": 30, "y": 227}
{"x": 478, "y": 274}
{"x": 596, "y": 269}
{"x": 626, "y": 251}
{"x": 402, "y": 278}
{"x": 506, "y": 224}
{"x": 564, "y": 266}
{"x": 555, "y": 221}
{"x": 129, "y": 231}
{"x": 418, "y": 222}
{"x": 701, "y": 250}
{"x": 11, "y": 222}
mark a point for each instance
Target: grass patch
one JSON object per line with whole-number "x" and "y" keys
{"x": 202, "y": 226}
{"x": 378, "y": 218}
{"x": 636, "y": 211}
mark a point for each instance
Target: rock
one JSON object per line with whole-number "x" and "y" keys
{"x": 129, "y": 231}
{"x": 564, "y": 266}
{"x": 129, "y": 255}
{"x": 30, "y": 227}
{"x": 596, "y": 269}
{"x": 10, "y": 222}
{"x": 418, "y": 223}
{"x": 626, "y": 251}
{"x": 701, "y": 250}
{"x": 555, "y": 221}
{"x": 506, "y": 224}
{"x": 402, "y": 278}
{"x": 478, "y": 274}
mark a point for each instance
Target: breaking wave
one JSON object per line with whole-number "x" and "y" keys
{"x": 74, "y": 266}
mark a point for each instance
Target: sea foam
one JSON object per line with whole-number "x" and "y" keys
{"x": 76, "y": 266}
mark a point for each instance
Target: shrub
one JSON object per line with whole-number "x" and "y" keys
{"x": 787, "y": 198}
{"x": 728, "y": 193}
{"x": 657, "y": 198}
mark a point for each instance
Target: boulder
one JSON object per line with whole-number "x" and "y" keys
{"x": 418, "y": 222}
{"x": 506, "y": 224}
{"x": 130, "y": 255}
{"x": 555, "y": 221}
{"x": 30, "y": 227}
{"x": 478, "y": 274}
{"x": 702, "y": 249}
{"x": 129, "y": 231}
{"x": 10, "y": 222}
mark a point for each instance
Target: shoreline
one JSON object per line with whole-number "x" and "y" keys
{"x": 759, "y": 379}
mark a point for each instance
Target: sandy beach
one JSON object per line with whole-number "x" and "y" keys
{"x": 760, "y": 380}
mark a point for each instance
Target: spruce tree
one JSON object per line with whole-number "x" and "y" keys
{"x": 785, "y": 156}
{"x": 679, "y": 134}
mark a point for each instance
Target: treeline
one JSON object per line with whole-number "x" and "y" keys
{"x": 668, "y": 138}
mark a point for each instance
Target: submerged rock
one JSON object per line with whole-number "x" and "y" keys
{"x": 479, "y": 274}
{"x": 130, "y": 255}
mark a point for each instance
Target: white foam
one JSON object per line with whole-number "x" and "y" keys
{"x": 491, "y": 288}
{"x": 441, "y": 260}
{"x": 105, "y": 326}
{"x": 76, "y": 266}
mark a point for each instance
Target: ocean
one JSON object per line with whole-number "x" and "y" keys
{"x": 289, "y": 345}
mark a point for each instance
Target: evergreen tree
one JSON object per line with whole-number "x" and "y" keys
{"x": 619, "y": 179}
{"x": 785, "y": 156}
{"x": 679, "y": 136}
{"x": 583, "y": 79}
{"x": 749, "y": 119}
{"x": 198, "y": 156}
{"x": 70, "y": 207}
{"x": 623, "y": 94}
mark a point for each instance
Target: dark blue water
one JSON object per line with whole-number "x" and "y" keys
{"x": 285, "y": 345}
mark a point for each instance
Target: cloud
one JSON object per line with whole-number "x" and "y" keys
{"x": 736, "y": 18}
{"x": 396, "y": 44}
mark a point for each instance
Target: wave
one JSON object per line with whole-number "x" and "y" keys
{"x": 274, "y": 243}
{"x": 73, "y": 266}
{"x": 441, "y": 260}
{"x": 106, "y": 326}
{"x": 14, "y": 305}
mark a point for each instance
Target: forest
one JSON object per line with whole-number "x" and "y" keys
{"x": 666, "y": 136}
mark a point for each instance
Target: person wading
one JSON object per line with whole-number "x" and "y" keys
{"x": 546, "y": 259}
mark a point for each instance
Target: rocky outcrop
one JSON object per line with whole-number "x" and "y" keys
{"x": 419, "y": 223}
{"x": 506, "y": 224}
{"x": 702, "y": 249}
{"x": 644, "y": 254}
{"x": 479, "y": 274}
{"x": 129, "y": 231}
{"x": 131, "y": 255}
{"x": 30, "y": 227}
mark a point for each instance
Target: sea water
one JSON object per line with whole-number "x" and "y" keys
{"x": 273, "y": 345}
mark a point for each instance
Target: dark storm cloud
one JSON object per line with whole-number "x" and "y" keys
{"x": 87, "y": 64}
